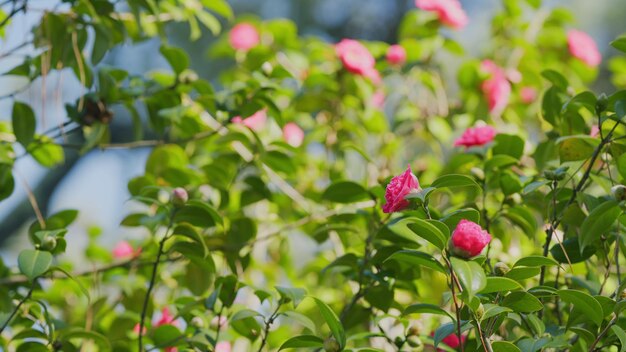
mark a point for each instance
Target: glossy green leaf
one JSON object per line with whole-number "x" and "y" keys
{"x": 617, "y": 330}
{"x": 303, "y": 341}
{"x": 500, "y": 284}
{"x": 332, "y": 321}
{"x": 584, "y": 303}
{"x": 522, "y": 302}
{"x": 345, "y": 192}
{"x": 421, "y": 308}
{"x": 471, "y": 275}
{"x": 599, "y": 222}
{"x": 454, "y": 181}
{"x": 504, "y": 346}
{"x": 536, "y": 261}
{"x": 417, "y": 258}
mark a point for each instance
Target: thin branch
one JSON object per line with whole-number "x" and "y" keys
{"x": 19, "y": 305}
{"x": 268, "y": 323}
{"x": 602, "y": 333}
{"x": 32, "y": 199}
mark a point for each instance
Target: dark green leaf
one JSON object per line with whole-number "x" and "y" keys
{"x": 33, "y": 263}
{"x": 417, "y": 258}
{"x": 302, "y": 341}
{"x": 333, "y": 322}
{"x": 176, "y": 57}
{"x": 500, "y": 284}
{"x": 454, "y": 181}
{"x": 584, "y": 303}
{"x": 599, "y": 221}
{"x": 345, "y": 192}
{"x": 522, "y": 302}
{"x": 24, "y": 123}
{"x": 421, "y": 308}
{"x": 470, "y": 274}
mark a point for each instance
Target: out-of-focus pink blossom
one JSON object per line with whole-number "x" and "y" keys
{"x": 124, "y": 250}
{"x": 528, "y": 95}
{"x": 254, "y": 122}
{"x": 293, "y": 134}
{"x": 378, "y": 99}
{"x": 396, "y": 55}
{"x": 450, "y": 12}
{"x": 595, "y": 131}
{"x": 583, "y": 47}
{"x": 355, "y": 57}
{"x": 496, "y": 88}
{"x": 476, "y": 136}
{"x": 222, "y": 346}
{"x": 244, "y": 36}
{"x": 166, "y": 318}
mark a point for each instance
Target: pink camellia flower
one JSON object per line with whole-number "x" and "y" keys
{"x": 123, "y": 250}
{"x": 583, "y": 47}
{"x": 166, "y": 318}
{"x": 293, "y": 134}
{"x": 468, "y": 239}
{"x": 399, "y": 187}
{"x": 355, "y": 57}
{"x": 396, "y": 55}
{"x": 595, "y": 131}
{"x": 222, "y": 346}
{"x": 449, "y": 12}
{"x": 528, "y": 95}
{"x": 513, "y": 75}
{"x": 476, "y": 136}
{"x": 171, "y": 349}
{"x": 496, "y": 88}
{"x": 244, "y": 36}
{"x": 254, "y": 122}
{"x": 378, "y": 99}
{"x": 373, "y": 75}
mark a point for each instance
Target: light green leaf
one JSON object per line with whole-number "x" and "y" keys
{"x": 454, "y": 181}
{"x": 618, "y": 331}
{"x": 522, "y": 302}
{"x": 425, "y": 308}
{"x": 33, "y": 263}
{"x": 536, "y": 261}
{"x": 504, "y": 346}
{"x": 500, "y": 284}
{"x": 470, "y": 274}
{"x": 584, "y": 303}
{"x": 333, "y": 322}
{"x": 429, "y": 231}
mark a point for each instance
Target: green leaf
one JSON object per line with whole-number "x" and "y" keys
{"x": 303, "y": 341}
{"x": 198, "y": 213}
{"x": 24, "y": 123}
{"x": 243, "y": 314}
{"x": 599, "y": 221}
{"x": 421, "y": 308}
{"x": 555, "y": 78}
{"x": 429, "y": 231}
{"x": 470, "y": 274}
{"x": 504, "y": 346}
{"x": 46, "y": 153}
{"x": 291, "y": 294}
{"x": 500, "y": 284}
{"x": 535, "y": 261}
{"x": 452, "y": 219}
{"x": 618, "y": 331}
{"x": 417, "y": 258}
{"x": 454, "y": 181}
{"x": 584, "y": 303}
{"x": 573, "y": 250}
{"x": 491, "y": 310}
{"x": 100, "y": 340}
{"x": 345, "y": 192}
{"x": 333, "y": 322}
{"x": 33, "y": 263}
{"x": 509, "y": 144}
{"x": 575, "y": 148}
{"x": 7, "y": 183}
{"x": 167, "y": 336}
{"x": 177, "y": 58}
{"x": 619, "y": 44}
{"x": 522, "y": 273}
{"x": 522, "y": 302}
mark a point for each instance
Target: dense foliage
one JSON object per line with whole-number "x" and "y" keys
{"x": 278, "y": 209}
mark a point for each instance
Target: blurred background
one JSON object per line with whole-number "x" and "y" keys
{"x": 95, "y": 183}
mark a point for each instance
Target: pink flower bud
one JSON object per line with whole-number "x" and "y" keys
{"x": 396, "y": 55}
{"x": 528, "y": 95}
{"x": 468, "y": 239}
{"x": 254, "y": 122}
{"x": 449, "y": 12}
{"x": 355, "y": 57}
{"x": 583, "y": 47}
{"x": 452, "y": 341}
{"x": 293, "y": 134}
{"x": 222, "y": 346}
{"x": 179, "y": 196}
{"x": 244, "y": 36}
{"x": 123, "y": 250}
{"x": 399, "y": 187}
{"x": 476, "y": 136}
{"x": 136, "y": 329}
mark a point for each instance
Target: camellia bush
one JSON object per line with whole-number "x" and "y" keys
{"x": 349, "y": 196}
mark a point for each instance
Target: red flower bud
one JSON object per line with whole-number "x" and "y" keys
{"x": 468, "y": 239}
